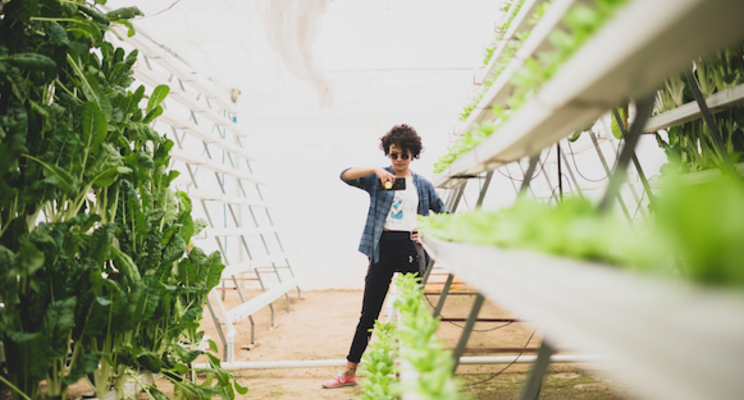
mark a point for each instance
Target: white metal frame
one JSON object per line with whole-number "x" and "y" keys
{"x": 627, "y": 58}
{"x": 671, "y": 340}
{"x": 199, "y": 125}
{"x": 667, "y": 339}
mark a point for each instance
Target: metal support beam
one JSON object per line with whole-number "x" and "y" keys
{"x": 708, "y": 117}
{"x": 531, "y": 388}
{"x": 427, "y": 273}
{"x": 617, "y": 178}
{"x": 484, "y": 189}
{"x": 443, "y": 296}
{"x": 570, "y": 173}
{"x": 458, "y": 197}
{"x": 609, "y": 173}
{"x": 460, "y": 349}
{"x": 636, "y": 164}
{"x": 560, "y": 173}
{"x": 528, "y": 174}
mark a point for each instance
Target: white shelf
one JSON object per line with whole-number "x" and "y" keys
{"x": 181, "y": 123}
{"x": 210, "y": 195}
{"x": 696, "y": 178}
{"x": 212, "y": 165}
{"x": 518, "y": 25}
{"x": 157, "y": 53}
{"x": 691, "y": 111}
{"x": 502, "y": 89}
{"x": 212, "y": 232}
{"x": 670, "y": 340}
{"x": 188, "y": 100}
{"x": 628, "y": 58}
{"x": 239, "y": 268}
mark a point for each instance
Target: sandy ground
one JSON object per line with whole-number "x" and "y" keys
{"x": 320, "y": 327}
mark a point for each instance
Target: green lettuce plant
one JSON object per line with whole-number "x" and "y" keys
{"x": 378, "y": 365}
{"x": 424, "y": 353}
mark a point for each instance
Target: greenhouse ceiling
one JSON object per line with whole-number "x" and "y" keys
{"x": 324, "y": 56}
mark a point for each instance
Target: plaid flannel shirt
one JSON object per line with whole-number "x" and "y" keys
{"x": 379, "y": 207}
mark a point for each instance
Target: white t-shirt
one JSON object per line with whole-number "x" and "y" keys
{"x": 403, "y": 212}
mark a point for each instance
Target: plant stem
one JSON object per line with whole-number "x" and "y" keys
{"x": 12, "y": 386}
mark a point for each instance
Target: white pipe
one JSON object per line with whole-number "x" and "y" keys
{"x": 230, "y": 336}
{"x": 233, "y": 366}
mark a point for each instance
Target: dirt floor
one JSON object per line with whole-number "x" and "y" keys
{"x": 320, "y": 327}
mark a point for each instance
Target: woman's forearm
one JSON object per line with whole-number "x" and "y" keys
{"x": 358, "y": 172}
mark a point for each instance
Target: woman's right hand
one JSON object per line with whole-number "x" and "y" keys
{"x": 385, "y": 176}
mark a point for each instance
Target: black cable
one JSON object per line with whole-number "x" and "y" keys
{"x": 462, "y": 327}
{"x": 573, "y": 158}
{"x": 533, "y": 176}
{"x": 158, "y": 13}
{"x": 542, "y": 164}
{"x": 509, "y": 177}
{"x": 510, "y": 364}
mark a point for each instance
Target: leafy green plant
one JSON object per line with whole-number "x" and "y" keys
{"x": 572, "y": 229}
{"x": 702, "y": 226}
{"x": 378, "y": 365}
{"x": 690, "y": 147}
{"x": 101, "y": 288}
{"x": 424, "y": 354}
{"x": 582, "y": 21}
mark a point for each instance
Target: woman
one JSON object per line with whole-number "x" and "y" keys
{"x": 389, "y": 238}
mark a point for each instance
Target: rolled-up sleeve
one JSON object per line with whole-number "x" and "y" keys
{"x": 435, "y": 202}
{"x": 364, "y": 183}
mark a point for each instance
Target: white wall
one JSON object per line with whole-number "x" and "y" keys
{"x": 324, "y": 217}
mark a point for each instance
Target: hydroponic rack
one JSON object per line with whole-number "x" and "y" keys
{"x": 669, "y": 340}
{"x": 628, "y": 58}
{"x": 209, "y": 148}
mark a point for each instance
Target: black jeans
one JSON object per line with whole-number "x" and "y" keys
{"x": 397, "y": 254}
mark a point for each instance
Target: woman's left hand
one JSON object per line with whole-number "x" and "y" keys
{"x": 415, "y": 236}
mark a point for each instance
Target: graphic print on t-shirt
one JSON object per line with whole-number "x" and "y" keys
{"x": 402, "y": 214}
{"x": 396, "y": 212}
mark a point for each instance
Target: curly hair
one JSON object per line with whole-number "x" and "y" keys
{"x": 404, "y": 137}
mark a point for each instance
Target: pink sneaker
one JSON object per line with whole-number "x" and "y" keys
{"x": 339, "y": 380}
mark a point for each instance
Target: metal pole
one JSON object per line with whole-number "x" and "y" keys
{"x": 608, "y": 172}
{"x": 531, "y": 389}
{"x": 570, "y": 173}
{"x": 708, "y": 117}
{"x": 528, "y": 174}
{"x": 460, "y": 349}
{"x": 427, "y": 273}
{"x": 482, "y": 195}
{"x": 445, "y": 291}
{"x": 456, "y": 200}
{"x": 560, "y": 176}
{"x": 617, "y": 178}
{"x": 636, "y": 162}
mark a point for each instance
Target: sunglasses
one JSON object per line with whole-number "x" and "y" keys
{"x": 394, "y": 155}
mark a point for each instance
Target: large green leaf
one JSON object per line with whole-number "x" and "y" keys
{"x": 59, "y": 321}
{"x": 109, "y": 176}
{"x": 124, "y": 13}
{"x": 27, "y": 260}
{"x": 158, "y": 95}
{"x": 31, "y": 61}
{"x": 174, "y": 250}
{"x": 57, "y": 176}
{"x": 94, "y": 125}
{"x": 150, "y": 361}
